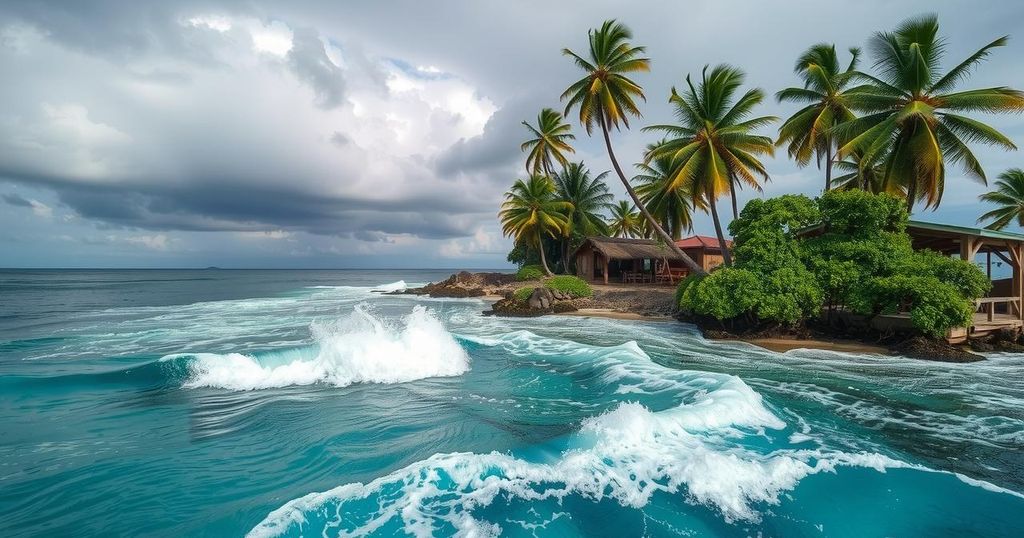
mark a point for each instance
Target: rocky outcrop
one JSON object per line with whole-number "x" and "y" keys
{"x": 466, "y": 284}
{"x": 541, "y": 301}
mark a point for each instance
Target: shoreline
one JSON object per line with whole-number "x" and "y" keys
{"x": 782, "y": 345}
{"x": 609, "y": 313}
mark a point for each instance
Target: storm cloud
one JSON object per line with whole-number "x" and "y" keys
{"x": 385, "y": 129}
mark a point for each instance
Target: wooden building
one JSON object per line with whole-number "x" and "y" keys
{"x": 704, "y": 250}
{"x": 1002, "y": 308}
{"x": 616, "y": 259}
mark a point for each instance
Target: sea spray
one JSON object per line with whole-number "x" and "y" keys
{"x": 359, "y": 348}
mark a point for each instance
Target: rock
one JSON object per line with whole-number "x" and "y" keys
{"x": 920, "y": 347}
{"x": 541, "y": 298}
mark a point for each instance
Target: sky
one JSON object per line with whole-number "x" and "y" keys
{"x": 338, "y": 134}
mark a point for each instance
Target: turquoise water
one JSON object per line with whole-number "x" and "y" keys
{"x": 302, "y": 403}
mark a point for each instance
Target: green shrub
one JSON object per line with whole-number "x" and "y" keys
{"x": 684, "y": 285}
{"x": 529, "y": 272}
{"x": 966, "y": 277}
{"x": 522, "y": 294}
{"x": 935, "y": 306}
{"x": 572, "y": 285}
{"x": 724, "y": 294}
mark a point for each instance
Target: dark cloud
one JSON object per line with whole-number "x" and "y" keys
{"x": 497, "y": 147}
{"x": 308, "y": 60}
{"x": 16, "y": 200}
{"x": 135, "y": 118}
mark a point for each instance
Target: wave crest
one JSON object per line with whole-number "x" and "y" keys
{"x": 360, "y": 348}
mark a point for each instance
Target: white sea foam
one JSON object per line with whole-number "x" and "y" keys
{"x": 394, "y": 286}
{"x": 627, "y": 455}
{"x": 358, "y": 349}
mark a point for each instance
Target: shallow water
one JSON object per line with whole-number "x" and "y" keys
{"x": 304, "y": 403}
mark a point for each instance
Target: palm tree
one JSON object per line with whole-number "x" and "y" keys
{"x": 670, "y": 204}
{"x": 1009, "y": 196}
{"x": 606, "y": 97}
{"x": 625, "y": 221}
{"x": 712, "y": 148}
{"x": 913, "y": 123}
{"x": 853, "y": 176}
{"x": 531, "y": 211}
{"x": 550, "y": 142}
{"x": 588, "y": 196}
{"x": 809, "y": 132}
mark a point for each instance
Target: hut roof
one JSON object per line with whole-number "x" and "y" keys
{"x": 618, "y": 248}
{"x": 702, "y": 241}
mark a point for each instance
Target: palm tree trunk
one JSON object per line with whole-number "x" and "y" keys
{"x": 692, "y": 265}
{"x": 828, "y": 167}
{"x": 726, "y": 255}
{"x": 565, "y": 255}
{"x": 911, "y": 195}
{"x": 732, "y": 194}
{"x": 543, "y": 259}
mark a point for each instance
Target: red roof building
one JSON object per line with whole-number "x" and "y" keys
{"x": 704, "y": 250}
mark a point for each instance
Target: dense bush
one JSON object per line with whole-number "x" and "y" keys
{"x": 724, "y": 294}
{"x": 768, "y": 282}
{"x": 529, "y": 272}
{"x": 936, "y": 306}
{"x": 863, "y": 261}
{"x": 522, "y": 294}
{"x": 858, "y": 258}
{"x": 572, "y": 285}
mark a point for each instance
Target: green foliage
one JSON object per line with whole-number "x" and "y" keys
{"x": 966, "y": 278}
{"x": 724, "y": 294}
{"x": 529, "y": 272}
{"x": 862, "y": 260}
{"x": 684, "y": 285}
{"x": 861, "y": 213}
{"x": 523, "y": 294}
{"x": 936, "y": 305}
{"x": 572, "y": 285}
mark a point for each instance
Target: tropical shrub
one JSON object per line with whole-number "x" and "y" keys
{"x": 529, "y": 272}
{"x": 724, "y": 294}
{"x": 523, "y": 294}
{"x": 936, "y": 306}
{"x": 861, "y": 260}
{"x": 768, "y": 282}
{"x": 572, "y": 285}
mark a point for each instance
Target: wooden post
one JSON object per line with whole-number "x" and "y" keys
{"x": 605, "y": 269}
{"x": 1015, "y": 289}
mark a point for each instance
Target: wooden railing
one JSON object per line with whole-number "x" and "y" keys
{"x": 990, "y": 305}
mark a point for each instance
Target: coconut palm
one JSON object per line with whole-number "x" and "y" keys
{"x": 1009, "y": 196}
{"x": 625, "y": 221}
{"x": 606, "y": 98}
{"x": 809, "y": 132}
{"x": 550, "y": 142}
{"x": 670, "y": 204}
{"x": 852, "y": 176}
{"x": 531, "y": 211}
{"x": 713, "y": 147}
{"x": 588, "y": 196}
{"x": 913, "y": 123}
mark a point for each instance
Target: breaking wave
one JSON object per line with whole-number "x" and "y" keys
{"x": 360, "y": 348}
{"x": 718, "y": 446}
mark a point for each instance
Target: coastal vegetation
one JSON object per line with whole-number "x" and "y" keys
{"x": 531, "y": 212}
{"x": 858, "y": 260}
{"x": 883, "y": 136}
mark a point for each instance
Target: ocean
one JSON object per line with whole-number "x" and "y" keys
{"x": 308, "y": 403}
